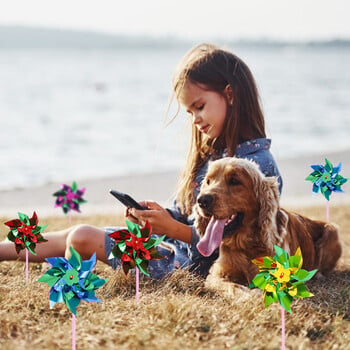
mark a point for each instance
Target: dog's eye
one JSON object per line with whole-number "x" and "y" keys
{"x": 233, "y": 181}
{"x": 207, "y": 181}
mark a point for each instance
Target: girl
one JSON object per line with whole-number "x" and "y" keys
{"x": 220, "y": 96}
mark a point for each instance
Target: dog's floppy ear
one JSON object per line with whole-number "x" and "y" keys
{"x": 282, "y": 220}
{"x": 266, "y": 189}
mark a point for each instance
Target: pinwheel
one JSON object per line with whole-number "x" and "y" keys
{"x": 72, "y": 281}
{"x": 282, "y": 279}
{"x": 326, "y": 179}
{"x": 135, "y": 248}
{"x": 69, "y": 198}
{"x": 25, "y": 233}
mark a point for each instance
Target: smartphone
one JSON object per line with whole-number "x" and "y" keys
{"x": 126, "y": 200}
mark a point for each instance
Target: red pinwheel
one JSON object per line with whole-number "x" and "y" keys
{"x": 135, "y": 246}
{"x": 25, "y": 232}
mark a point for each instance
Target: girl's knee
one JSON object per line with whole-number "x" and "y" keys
{"x": 85, "y": 239}
{"x": 80, "y": 236}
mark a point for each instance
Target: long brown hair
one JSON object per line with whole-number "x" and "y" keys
{"x": 215, "y": 69}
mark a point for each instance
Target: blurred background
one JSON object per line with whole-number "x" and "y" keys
{"x": 85, "y": 85}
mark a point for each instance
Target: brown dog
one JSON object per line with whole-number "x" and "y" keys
{"x": 238, "y": 210}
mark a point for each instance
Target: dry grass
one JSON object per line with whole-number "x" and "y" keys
{"x": 176, "y": 313}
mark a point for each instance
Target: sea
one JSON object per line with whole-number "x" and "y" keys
{"x": 92, "y": 112}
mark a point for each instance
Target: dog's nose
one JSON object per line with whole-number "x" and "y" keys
{"x": 205, "y": 201}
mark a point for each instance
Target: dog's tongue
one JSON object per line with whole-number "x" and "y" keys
{"x": 212, "y": 236}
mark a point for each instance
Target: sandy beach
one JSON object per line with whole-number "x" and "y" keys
{"x": 161, "y": 188}
{"x": 179, "y": 312}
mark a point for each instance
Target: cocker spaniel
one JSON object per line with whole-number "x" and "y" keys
{"x": 237, "y": 210}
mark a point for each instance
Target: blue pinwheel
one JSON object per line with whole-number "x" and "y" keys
{"x": 326, "y": 179}
{"x": 72, "y": 280}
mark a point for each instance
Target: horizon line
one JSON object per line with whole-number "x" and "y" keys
{"x": 162, "y": 36}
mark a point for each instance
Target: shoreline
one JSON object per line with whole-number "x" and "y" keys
{"x": 161, "y": 186}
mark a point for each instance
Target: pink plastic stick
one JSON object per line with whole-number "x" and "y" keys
{"x": 327, "y": 210}
{"x": 73, "y": 331}
{"x": 27, "y": 268}
{"x": 283, "y": 328}
{"x": 69, "y": 218}
{"x": 137, "y": 284}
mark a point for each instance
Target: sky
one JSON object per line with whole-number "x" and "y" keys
{"x": 243, "y": 19}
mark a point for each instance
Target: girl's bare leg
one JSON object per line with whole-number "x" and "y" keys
{"x": 84, "y": 239}
{"x": 55, "y": 246}
{"x": 87, "y": 240}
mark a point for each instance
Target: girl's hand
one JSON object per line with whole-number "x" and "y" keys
{"x": 158, "y": 217}
{"x": 160, "y": 220}
{"x": 130, "y": 217}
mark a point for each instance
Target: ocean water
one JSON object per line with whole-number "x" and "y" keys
{"x": 75, "y": 114}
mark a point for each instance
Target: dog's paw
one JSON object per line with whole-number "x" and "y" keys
{"x": 227, "y": 288}
{"x": 320, "y": 276}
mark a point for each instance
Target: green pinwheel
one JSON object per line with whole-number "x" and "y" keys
{"x": 25, "y": 232}
{"x": 326, "y": 179}
{"x": 72, "y": 280}
{"x": 282, "y": 278}
{"x": 135, "y": 247}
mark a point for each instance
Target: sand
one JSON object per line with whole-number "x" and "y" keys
{"x": 161, "y": 187}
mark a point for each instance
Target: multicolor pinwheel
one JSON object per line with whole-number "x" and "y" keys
{"x": 326, "y": 179}
{"x": 282, "y": 279}
{"x": 25, "y": 232}
{"x": 135, "y": 247}
{"x": 72, "y": 281}
{"x": 69, "y": 198}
